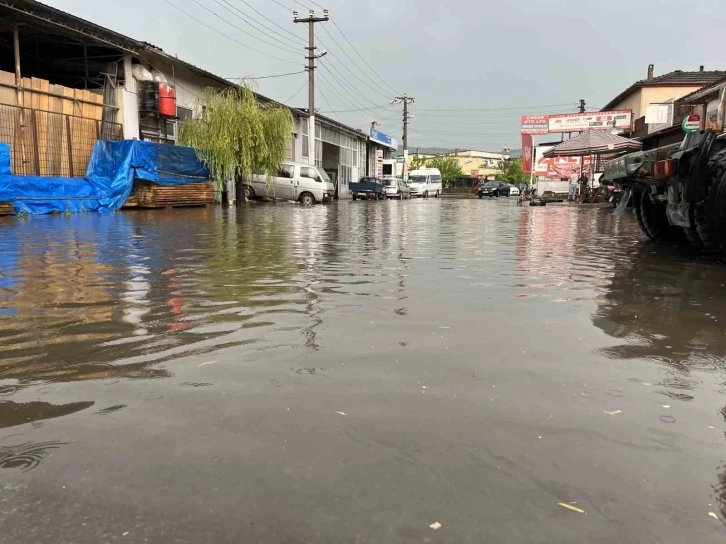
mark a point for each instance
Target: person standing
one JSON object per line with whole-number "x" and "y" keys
{"x": 572, "y": 192}
{"x": 583, "y": 183}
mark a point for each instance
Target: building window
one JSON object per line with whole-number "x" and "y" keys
{"x": 305, "y": 139}
{"x": 290, "y": 152}
{"x": 184, "y": 114}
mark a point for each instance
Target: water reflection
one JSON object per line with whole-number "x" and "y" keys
{"x": 13, "y": 413}
{"x": 668, "y": 310}
{"x": 82, "y": 292}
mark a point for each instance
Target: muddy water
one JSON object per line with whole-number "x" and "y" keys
{"x": 356, "y": 373}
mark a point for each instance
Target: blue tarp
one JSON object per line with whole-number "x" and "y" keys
{"x": 5, "y": 160}
{"x": 111, "y": 172}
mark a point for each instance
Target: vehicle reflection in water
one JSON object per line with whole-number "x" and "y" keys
{"x": 667, "y": 310}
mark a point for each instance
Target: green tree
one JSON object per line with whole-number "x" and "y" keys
{"x": 448, "y": 166}
{"x": 237, "y": 135}
{"x": 511, "y": 170}
{"x": 417, "y": 161}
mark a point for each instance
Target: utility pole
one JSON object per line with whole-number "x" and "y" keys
{"x": 582, "y": 105}
{"x": 311, "y": 56}
{"x": 405, "y": 100}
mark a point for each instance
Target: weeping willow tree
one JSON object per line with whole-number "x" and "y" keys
{"x": 237, "y": 135}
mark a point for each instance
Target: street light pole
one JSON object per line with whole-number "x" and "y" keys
{"x": 405, "y": 100}
{"x": 311, "y": 56}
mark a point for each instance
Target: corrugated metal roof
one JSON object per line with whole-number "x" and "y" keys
{"x": 705, "y": 92}
{"x": 74, "y": 24}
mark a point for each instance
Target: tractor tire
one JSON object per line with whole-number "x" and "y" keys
{"x": 692, "y": 232}
{"x": 709, "y": 215}
{"x": 653, "y": 220}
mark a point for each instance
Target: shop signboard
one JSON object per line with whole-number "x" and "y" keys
{"x": 691, "y": 124}
{"x": 601, "y": 120}
{"x": 527, "y": 154}
{"x": 535, "y": 124}
{"x": 474, "y": 174}
{"x": 383, "y": 139}
{"x": 379, "y": 163}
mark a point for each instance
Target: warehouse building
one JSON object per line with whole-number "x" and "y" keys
{"x": 66, "y": 82}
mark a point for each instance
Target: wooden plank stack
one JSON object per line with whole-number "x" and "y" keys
{"x": 6, "y": 208}
{"x": 150, "y": 195}
{"x": 51, "y": 102}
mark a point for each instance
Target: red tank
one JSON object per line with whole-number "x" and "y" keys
{"x": 167, "y": 101}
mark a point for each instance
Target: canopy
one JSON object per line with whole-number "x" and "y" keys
{"x": 593, "y": 142}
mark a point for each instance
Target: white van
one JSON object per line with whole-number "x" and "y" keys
{"x": 294, "y": 181}
{"x": 425, "y": 182}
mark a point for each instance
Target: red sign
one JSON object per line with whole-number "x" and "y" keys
{"x": 474, "y": 174}
{"x": 527, "y": 153}
{"x": 535, "y": 124}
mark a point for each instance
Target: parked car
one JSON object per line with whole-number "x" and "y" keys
{"x": 490, "y": 189}
{"x": 507, "y": 189}
{"x": 425, "y": 182}
{"x": 396, "y": 188}
{"x": 367, "y": 187}
{"x": 294, "y": 181}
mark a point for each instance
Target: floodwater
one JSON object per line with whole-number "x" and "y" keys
{"x": 356, "y": 373}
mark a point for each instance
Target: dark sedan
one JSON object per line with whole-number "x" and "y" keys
{"x": 490, "y": 189}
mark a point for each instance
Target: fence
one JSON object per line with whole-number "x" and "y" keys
{"x": 44, "y": 143}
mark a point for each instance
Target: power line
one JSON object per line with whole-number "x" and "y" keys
{"x": 300, "y": 40}
{"x": 342, "y": 97}
{"x": 351, "y": 89}
{"x": 367, "y": 84}
{"x": 267, "y": 77}
{"x": 281, "y": 48}
{"x": 247, "y": 18}
{"x": 296, "y": 92}
{"x": 282, "y": 6}
{"x": 394, "y": 91}
{"x": 227, "y": 36}
{"x": 353, "y": 110}
{"x": 325, "y": 99}
{"x": 519, "y": 108}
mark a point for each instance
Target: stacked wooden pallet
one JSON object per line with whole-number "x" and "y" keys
{"x": 6, "y": 208}
{"x": 150, "y": 195}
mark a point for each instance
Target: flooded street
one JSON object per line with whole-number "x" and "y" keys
{"x": 356, "y": 373}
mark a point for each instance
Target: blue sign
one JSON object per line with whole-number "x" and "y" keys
{"x": 381, "y": 138}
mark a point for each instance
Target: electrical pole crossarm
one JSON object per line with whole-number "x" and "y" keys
{"x": 405, "y": 100}
{"x": 311, "y": 56}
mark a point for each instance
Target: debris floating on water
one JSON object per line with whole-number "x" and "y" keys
{"x": 570, "y": 507}
{"x": 614, "y": 413}
{"x": 341, "y": 413}
{"x": 714, "y": 516}
{"x": 435, "y": 526}
{"x": 666, "y": 406}
{"x": 207, "y": 363}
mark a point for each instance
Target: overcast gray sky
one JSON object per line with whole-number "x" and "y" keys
{"x": 486, "y": 61}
